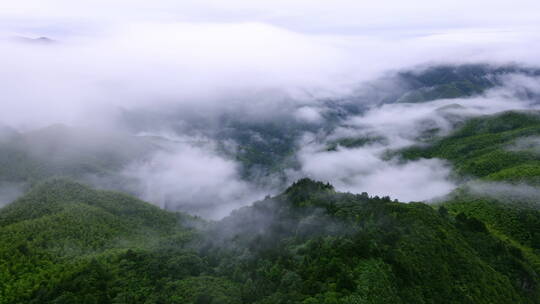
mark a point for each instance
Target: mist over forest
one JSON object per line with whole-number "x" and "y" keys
{"x": 269, "y": 152}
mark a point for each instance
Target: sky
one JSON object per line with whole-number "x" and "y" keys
{"x": 314, "y": 16}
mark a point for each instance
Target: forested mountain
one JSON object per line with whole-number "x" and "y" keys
{"x": 65, "y": 243}
{"x": 498, "y": 157}
{"x": 67, "y": 240}
{"x": 499, "y": 147}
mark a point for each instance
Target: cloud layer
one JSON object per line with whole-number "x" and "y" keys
{"x": 394, "y": 126}
{"x": 192, "y": 179}
{"x": 191, "y": 68}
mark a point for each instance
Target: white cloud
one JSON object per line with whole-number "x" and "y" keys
{"x": 145, "y": 64}
{"x": 193, "y": 179}
{"x": 308, "y": 114}
{"x": 504, "y": 192}
{"x": 366, "y": 168}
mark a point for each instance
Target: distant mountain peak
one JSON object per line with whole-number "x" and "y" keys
{"x": 39, "y": 40}
{"x": 306, "y": 189}
{"x": 307, "y": 184}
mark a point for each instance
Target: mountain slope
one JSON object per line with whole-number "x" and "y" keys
{"x": 488, "y": 147}
{"x": 499, "y": 156}
{"x": 64, "y": 242}
{"x": 315, "y": 245}
{"x": 63, "y": 231}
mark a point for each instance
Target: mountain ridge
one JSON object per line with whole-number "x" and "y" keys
{"x": 381, "y": 237}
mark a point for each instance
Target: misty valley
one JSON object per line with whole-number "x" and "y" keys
{"x": 269, "y": 152}
{"x": 418, "y": 186}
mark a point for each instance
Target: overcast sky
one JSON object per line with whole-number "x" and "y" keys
{"x": 387, "y": 17}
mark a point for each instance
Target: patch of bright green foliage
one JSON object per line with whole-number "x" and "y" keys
{"x": 66, "y": 243}
{"x": 482, "y": 147}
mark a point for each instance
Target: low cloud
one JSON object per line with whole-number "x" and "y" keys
{"x": 211, "y": 66}
{"x": 529, "y": 144}
{"x": 10, "y": 192}
{"x": 192, "y": 179}
{"x": 367, "y": 167}
{"x": 365, "y": 170}
{"x": 505, "y": 192}
{"x": 308, "y": 114}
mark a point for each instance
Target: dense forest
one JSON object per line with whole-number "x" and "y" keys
{"x": 66, "y": 243}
